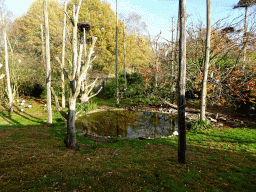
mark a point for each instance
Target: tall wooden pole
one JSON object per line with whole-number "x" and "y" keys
{"x": 124, "y": 61}
{"x": 206, "y": 61}
{"x": 43, "y": 49}
{"x": 177, "y": 35}
{"x": 117, "y": 92}
{"x": 182, "y": 83}
{"x": 6, "y": 64}
{"x": 172, "y": 48}
{"x": 63, "y": 58}
{"x": 48, "y": 65}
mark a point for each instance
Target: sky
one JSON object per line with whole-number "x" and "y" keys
{"x": 158, "y": 13}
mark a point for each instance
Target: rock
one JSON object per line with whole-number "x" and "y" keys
{"x": 219, "y": 125}
{"x": 222, "y": 118}
{"x": 212, "y": 120}
{"x": 175, "y": 133}
{"x": 236, "y": 125}
{"x": 80, "y": 134}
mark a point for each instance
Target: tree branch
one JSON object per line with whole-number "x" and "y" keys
{"x": 58, "y": 106}
{"x": 63, "y": 70}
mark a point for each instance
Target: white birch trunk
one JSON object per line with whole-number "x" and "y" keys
{"x": 206, "y": 61}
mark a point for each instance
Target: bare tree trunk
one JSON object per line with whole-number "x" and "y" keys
{"x": 6, "y": 64}
{"x": 43, "y": 49}
{"x": 182, "y": 83}
{"x": 117, "y": 91}
{"x": 48, "y": 66}
{"x": 63, "y": 57}
{"x": 245, "y": 35}
{"x": 73, "y": 85}
{"x": 77, "y": 80}
{"x": 206, "y": 61}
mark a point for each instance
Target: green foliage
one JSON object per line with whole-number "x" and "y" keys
{"x": 91, "y": 106}
{"x": 199, "y": 125}
{"x": 109, "y": 89}
{"x": 44, "y": 94}
{"x": 137, "y": 89}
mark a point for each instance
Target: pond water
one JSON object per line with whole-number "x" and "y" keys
{"x": 130, "y": 124}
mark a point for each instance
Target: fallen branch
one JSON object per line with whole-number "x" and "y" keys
{"x": 114, "y": 154}
{"x": 187, "y": 109}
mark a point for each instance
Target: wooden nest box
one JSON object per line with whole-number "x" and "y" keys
{"x": 84, "y": 25}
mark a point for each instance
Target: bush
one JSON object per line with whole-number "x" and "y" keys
{"x": 110, "y": 89}
{"x": 199, "y": 125}
{"x": 91, "y": 106}
{"x": 138, "y": 89}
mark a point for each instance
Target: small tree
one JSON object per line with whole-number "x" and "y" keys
{"x": 78, "y": 80}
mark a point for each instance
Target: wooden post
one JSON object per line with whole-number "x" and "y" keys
{"x": 182, "y": 83}
{"x": 63, "y": 58}
{"x": 43, "y": 49}
{"x": 6, "y": 64}
{"x": 206, "y": 61}
{"x": 48, "y": 66}
{"x": 117, "y": 95}
{"x": 124, "y": 62}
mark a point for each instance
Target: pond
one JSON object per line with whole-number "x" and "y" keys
{"x": 129, "y": 124}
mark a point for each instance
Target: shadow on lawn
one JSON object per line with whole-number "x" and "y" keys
{"x": 13, "y": 118}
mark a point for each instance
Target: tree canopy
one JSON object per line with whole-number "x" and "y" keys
{"x": 26, "y": 31}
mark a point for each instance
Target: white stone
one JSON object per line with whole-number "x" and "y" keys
{"x": 175, "y": 133}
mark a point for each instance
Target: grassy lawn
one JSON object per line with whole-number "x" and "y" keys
{"x": 33, "y": 157}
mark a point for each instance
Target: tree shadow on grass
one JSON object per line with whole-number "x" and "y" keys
{"x": 13, "y": 118}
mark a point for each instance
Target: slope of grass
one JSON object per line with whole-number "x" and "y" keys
{"x": 33, "y": 157}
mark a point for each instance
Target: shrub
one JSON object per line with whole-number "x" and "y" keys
{"x": 199, "y": 125}
{"x": 91, "y": 106}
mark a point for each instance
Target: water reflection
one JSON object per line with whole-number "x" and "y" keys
{"x": 128, "y": 124}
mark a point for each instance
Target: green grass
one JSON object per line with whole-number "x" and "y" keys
{"x": 33, "y": 157}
